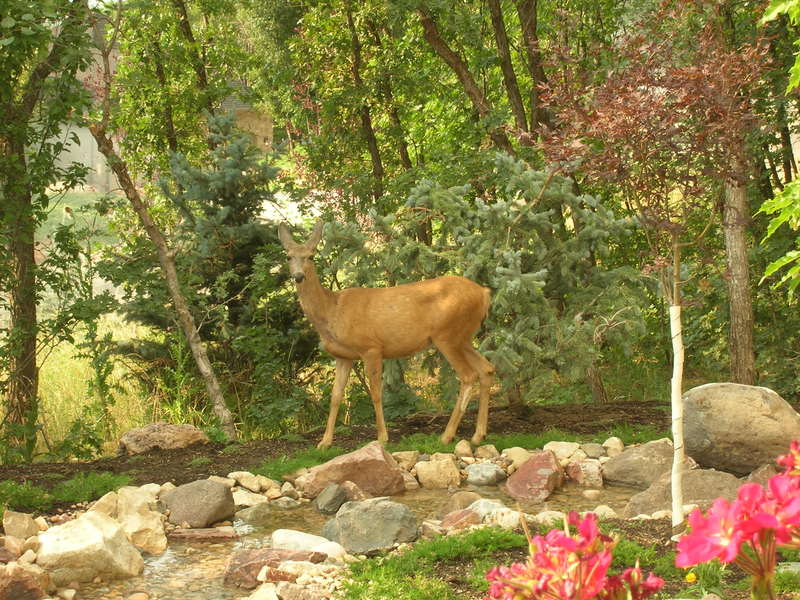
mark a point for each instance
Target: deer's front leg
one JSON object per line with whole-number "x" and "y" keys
{"x": 343, "y": 366}
{"x": 373, "y": 365}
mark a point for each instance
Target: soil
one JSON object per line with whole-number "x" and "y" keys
{"x": 200, "y": 461}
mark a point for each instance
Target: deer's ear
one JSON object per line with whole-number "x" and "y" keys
{"x": 316, "y": 235}
{"x": 284, "y": 236}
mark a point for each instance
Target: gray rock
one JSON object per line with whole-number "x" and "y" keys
{"x": 330, "y": 499}
{"x": 737, "y": 428}
{"x": 160, "y": 435}
{"x": 640, "y": 466}
{"x": 593, "y": 450}
{"x": 700, "y": 487}
{"x": 290, "y": 539}
{"x": 285, "y": 502}
{"x": 259, "y": 515}
{"x": 199, "y": 503}
{"x": 371, "y": 525}
{"x": 485, "y": 507}
{"x": 484, "y": 474}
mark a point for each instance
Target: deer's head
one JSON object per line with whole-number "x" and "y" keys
{"x": 300, "y": 255}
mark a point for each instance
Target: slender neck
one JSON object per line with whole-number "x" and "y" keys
{"x": 317, "y": 302}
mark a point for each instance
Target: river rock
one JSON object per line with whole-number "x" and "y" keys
{"x": 371, "y": 525}
{"x": 485, "y": 507}
{"x": 259, "y": 515}
{"x": 518, "y": 456}
{"x": 586, "y": 473}
{"x": 330, "y": 499}
{"x": 199, "y": 503}
{"x": 160, "y": 435}
{"x": 536, "y": 479}
{"x": 484, "y": 474}
{"x": 458, "y": 500}
{"x": 593, "y": 450}
{"x": 563, "y": 450}
{"x": 438, "y": 474}
{"x": 641, "y": 465}
{"x": 247, "y": 480}
{"x": 460, "y": 519}
{"x": 371, "y": 468}
{"x": 244, "y": 497}
{"x": 486, "y": 451}
{"x": 23, "y": 581}
{"x": 286, "y": 503}
{"x": 406, "y": 458}
{"x": 614, "y": 446}
{"x": 700, "y": 487}
{"x": 244, "y": 566}
{"x": 463, "y": 449}
{"x": 504, "y": 518}
{"x": 93, "y": 545}
{"x": 19, "y": 524}
{"x": 717, "y": 414}
{"x": 289, "y": 539}
{"x": 143, "y": 525}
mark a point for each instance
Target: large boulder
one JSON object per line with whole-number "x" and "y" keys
{"x": 199, "y": 503}
{"x": 536, "y": 478}
{"x": 143, "y": 525}
{"x": 640, "y": 466}
{"x": 160, "y": 435}
{"x": 700, "y": 487}
{"x": 737, "y": 428}
{"x": 371, "y": 525}
{"x": 371, "y": 468}
{"x": 90, "y": 546}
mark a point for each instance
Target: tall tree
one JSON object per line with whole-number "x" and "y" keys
{"x": 45, "y": 45}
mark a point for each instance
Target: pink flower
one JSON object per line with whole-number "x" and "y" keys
{"x": 715, "y": 536}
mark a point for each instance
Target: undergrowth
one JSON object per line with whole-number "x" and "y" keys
{"x": 81, "y": 488}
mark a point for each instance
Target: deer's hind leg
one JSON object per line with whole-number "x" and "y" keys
{"x": 485, "y": 371}
{"x": 467, "y": 375}
{"x": 373, "y": 365}
{"x": 343, "y": 366}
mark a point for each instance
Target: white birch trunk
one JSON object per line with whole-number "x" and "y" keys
{"x": 676, "y": 330}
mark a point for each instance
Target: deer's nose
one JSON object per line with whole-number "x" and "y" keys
{"x": 299, "y": 277}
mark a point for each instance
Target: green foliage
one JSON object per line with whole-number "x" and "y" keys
{"x": 88, "y": 486}
{"x": 787, "y": 581}
{"x": 786, "y": 207}
{"x": 199, "y": 461}
{"x": 710, "y": 577}
{"x": 277, "y": 467}
{"x": 424, "y": 442}
{"x": 23, "y": 496}
{"x": 627, "y": 553}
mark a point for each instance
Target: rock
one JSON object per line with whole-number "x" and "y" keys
{"x": 267, "y": 591}
{"x": 485, "y": 474}
{"x": 21, "y": 581}
{"x": 484, "y": 507}
{"x": 593, "y": 450}
{"x": 244, "y": 566}
{"x": 549, "y": 518}
{"x": 247, "y": 480}
{"x": 285, "y": 503}
{"x": 106, "y": 505}
{"x": 562, "y": 450}
{"x": 199, "y": 503}
{"x": 207, "y": 534}
{"x": 330, "y": 499}
{"x": 289, "y": 539}
{"x": 268, "y": 484}
{"x": 91, "y": 545}
{"x": 463, "y": 449}
{"x": 517, "y": 455}
{"x": 430, "y": 529}
{"x": 535, "y": 480}
{"x": 226, "y": 481}
{"x": 717, "y": 415}
{"x": 603, "y": 511}
{"x": 371, "y": 468}
{"x": 640, "y": 466}
{"x": 20, "y": 525}
{"x": 762, "y": 475}
{"x": 486, "y": 451}
{"x": 591, "y": 494}
{"x": 288, "y": 490}
{"x": 243, "y": 497}
{"x": 41, "y": 523}
{"x": 505, "y": 518}
{"x": 370, "y": 525}
{"x": 13, "y": 545}
{"x": 460, "y": 519}
{"x": 6, "y": 556}
{"x": 292, "y": 591}
{"x": 143, "y": 526}
{"x": 354, "y": 492}
{"x": 444, "y": 456}
{"x": 439, "y": 474}
{"x": 700, "y": 486}
{"x": 259, "y": 515}
{"x": 160, "y": 435}
{"x": 460, "y": 499}
{"x": 410, "y": 481}
{"x": 586, "y": 473}
{"x": 614, "y": 446}
{"x": 333, "y": 550}
{"x": 406, "y": 459}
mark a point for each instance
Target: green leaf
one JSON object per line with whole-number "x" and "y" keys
{"x": 8, "y": 22}
{"x": 6, "y": 41}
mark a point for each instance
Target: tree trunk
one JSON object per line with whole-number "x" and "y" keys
{"x": 166, "y": 259}
{"x": 676, "y": 388}
{"x": 509, "y": 77}
{"x": 736, "y": 218}
{"x": 23, "y": 384}
{"x": 459, "y": 67}
{"x": 528, "y": 20}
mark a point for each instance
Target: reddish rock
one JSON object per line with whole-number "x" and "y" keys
{"x": 160, "y": 435}
{"x": 207, "y": 534}
{"x": 244, "y": 566}
{"x": 6, "y": 556}
{"x": 354, "y": 492}
{"x": 536, "y": 478}
{"x": 460, "y": 519}
{"x": 586, "y": 473}
{"x": 371, "y": 468}
{"x": 23, "y": 582}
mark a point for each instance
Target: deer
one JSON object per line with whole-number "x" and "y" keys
{"x": 371, "y": 324}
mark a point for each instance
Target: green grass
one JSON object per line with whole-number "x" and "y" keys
{"x": 787, "y": 581}
{"x": 199, "y": 461}
{"x": 427, "y": 443}
{"x": 89, "y": 486}
{"x": 410, "y": 575}
{"x": 23, "y": 496}
{"x": 277, "y": 467}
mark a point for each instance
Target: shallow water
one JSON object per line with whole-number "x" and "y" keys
{"x": 195, "y": 571}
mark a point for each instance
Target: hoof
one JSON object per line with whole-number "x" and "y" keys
{"x": 477, "y": 439}
{"x": 323, "y": 444}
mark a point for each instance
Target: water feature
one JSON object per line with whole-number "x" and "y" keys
{"x": 195, "y": 571}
